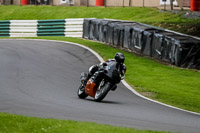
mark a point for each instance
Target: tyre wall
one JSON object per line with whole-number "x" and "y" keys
{"x": 177, "y": 49}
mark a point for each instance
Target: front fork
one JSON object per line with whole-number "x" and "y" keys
{"x": 97, "y": 78}
{"x": 83, "y": 78}
{"x": 114, "y": 87}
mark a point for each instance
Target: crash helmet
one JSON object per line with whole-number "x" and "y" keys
{"x": 119, "y": 57}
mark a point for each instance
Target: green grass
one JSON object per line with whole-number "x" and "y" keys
{"x": 145, "y": 15}
{"x": 168, "y": 84}
{"x": 62, "y": 12}
{"x": 20, "y": 124}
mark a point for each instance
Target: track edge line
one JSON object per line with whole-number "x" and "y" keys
{"x": 123, "y": 81}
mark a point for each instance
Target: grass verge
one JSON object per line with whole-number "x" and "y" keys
{"x": 168, "y": 84}
{"x": 145, "y": 15}
{"x": 19, "y": 124}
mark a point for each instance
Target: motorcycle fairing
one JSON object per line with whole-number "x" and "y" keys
{"x": 91, "y": 88}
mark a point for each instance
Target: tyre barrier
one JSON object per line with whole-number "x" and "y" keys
{"x": 175, "y": 48}
{"x": 34, "y": 28}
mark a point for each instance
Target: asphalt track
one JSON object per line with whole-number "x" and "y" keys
{"x": 40, "y": 78}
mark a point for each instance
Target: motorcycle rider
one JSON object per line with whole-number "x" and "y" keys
{"x": 119, "y": 58}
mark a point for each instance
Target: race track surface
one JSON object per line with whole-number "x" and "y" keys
{"x": 41, "y": 78}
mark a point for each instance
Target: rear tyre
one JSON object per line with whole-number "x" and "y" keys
{"x": 102, "y": 91}
{"x": 81, "y": 92}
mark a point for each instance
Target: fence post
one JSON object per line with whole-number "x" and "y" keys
{"x": 143, "y": 3}
{"x": 87, "y": 3}
{"x": 171, "y": 4}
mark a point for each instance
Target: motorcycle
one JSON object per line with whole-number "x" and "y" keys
{"x": 102, "y": 81}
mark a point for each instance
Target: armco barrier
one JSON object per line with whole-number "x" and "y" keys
{"x": 34, "y": 28}
{"x": 23, "y": 28}
{"x": 4, "y": 28}
{"x": 51, "y": 27}
{"x": 177, "y": 49}
{"x": 74, "y": 27}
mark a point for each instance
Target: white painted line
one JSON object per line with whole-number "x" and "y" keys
{"x": 73, "y": 33}
{"x": 78, "y": 36}
{"x": 73, "y": 23}
{"x": 74, "y": 26}
{"x": 138, "y": 94}
{"x": 23, "y": 30}
{"x": 23, "y": 21}
{"x": 23, "y": 34}
{"x": 74, "y": 19}
{"x": 123, "y": 81}
{"x": 23, "y": 24}
{"x": 74, "y": 29}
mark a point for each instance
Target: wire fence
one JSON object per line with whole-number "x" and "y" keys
{"x": 26, "y": 2}
{"x": 119, "y": 3}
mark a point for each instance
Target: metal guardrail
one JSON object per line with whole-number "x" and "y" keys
{"x": 51, "y": 27}
{"x": 34, "y": 28}
{"x": 4, "y": 28}
{"x": 74, "y": 27}
{"x": 23, "y": 28}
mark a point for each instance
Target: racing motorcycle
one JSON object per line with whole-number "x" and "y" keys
{"x": 102, "y": 81}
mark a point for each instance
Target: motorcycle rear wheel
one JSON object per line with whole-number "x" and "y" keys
{"x": 81, "y": 92}
{"x": 102, "y": 91}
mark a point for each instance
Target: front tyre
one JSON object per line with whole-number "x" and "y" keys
{"x": 81, "y": 92}
{"x": 102, "y": 91}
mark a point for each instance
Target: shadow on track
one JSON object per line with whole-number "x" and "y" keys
{"x": 104, "y": 101}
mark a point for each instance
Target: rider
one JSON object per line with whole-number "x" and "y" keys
{"x": 119, "y": 58}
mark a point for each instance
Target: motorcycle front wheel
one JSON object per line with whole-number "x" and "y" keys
{"x": 81, "y": 92}
{"x": 102, "y": 91}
